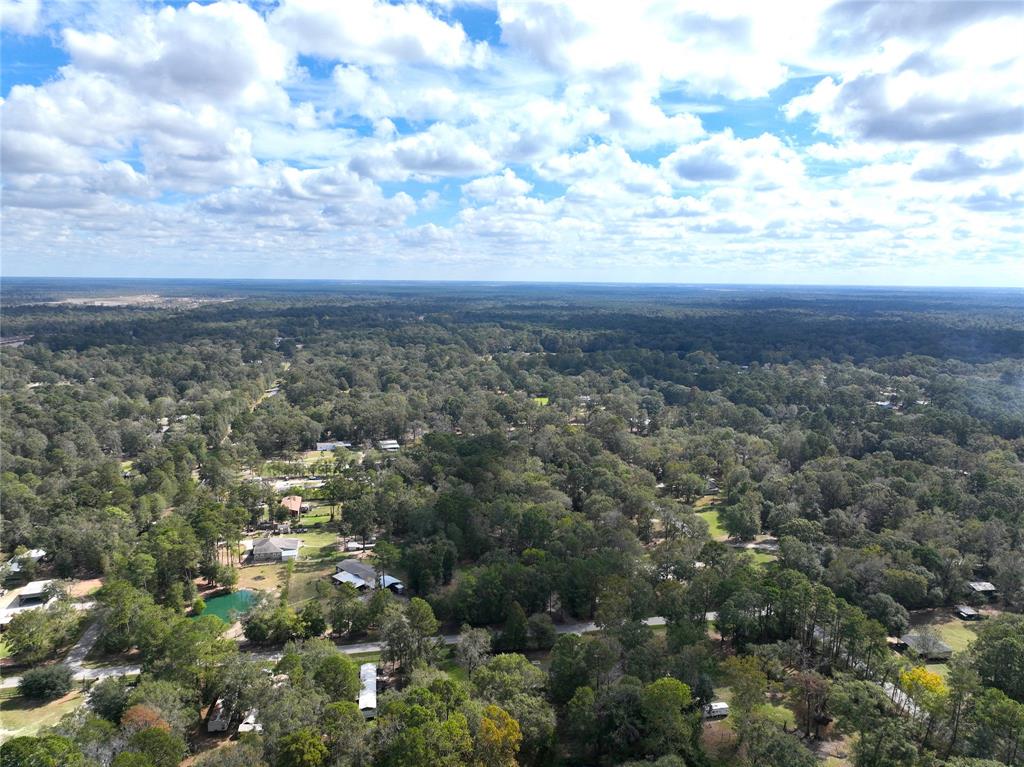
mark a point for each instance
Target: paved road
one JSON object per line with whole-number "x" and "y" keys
{"x": 85, "y": 644}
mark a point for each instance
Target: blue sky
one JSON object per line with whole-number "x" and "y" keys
{"x": 844, "y": 143}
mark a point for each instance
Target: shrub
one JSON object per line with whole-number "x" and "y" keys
{"x": 46, "y": 683}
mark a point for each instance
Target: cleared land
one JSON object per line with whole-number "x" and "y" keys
{"x": 26, "y": 717}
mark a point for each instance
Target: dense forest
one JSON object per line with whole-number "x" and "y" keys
{"x": 610, "y": 507}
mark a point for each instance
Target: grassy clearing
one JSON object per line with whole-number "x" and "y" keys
{"x": 26, "y": 717}
{"x": 715, "y": 528}
{"x": 705, "y": 501}
{"x": 318, "y": 545}
{"x": 5, "y": 651}
{"x": 542, "y": 401}
{"x": 761, "y": 558}
{"x": 305, "y": 577}
{"x": 261, "y": 577}
{"x": 956, "y": 633}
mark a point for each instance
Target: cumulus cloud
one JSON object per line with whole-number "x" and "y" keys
{"x": 310, "y": 131}
{"x": 374, "y": 33}
{"x": 762, "y": 163}
{"x": 490, "y": 188}
{"x": 20, "y": 16}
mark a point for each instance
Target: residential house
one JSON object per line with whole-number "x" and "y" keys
{"x": 927, "y": 646}
{"x": 329, "y": 447}
{"x": 276, "y": 549}
{"x": 32, "y": 555}
{"x": 293, "y": 503}
{"x": 388, "y": 445}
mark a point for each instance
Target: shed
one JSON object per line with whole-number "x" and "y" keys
{"x": 293, "y": 503}
{"x": 982, "y": 587}
{"x": 368, "y": 690}
{"x": 967, "y": 613}
{"x": 352, "y": 580}
{"x": 392, "y": 583}
{"x": 388, "y": 445}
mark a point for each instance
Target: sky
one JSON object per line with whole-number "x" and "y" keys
{"x": 595, "y": 141}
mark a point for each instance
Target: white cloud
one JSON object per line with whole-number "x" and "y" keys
{"x": 373, "y": 33}
{"x": 490, "y": 188}
{"x": 20, "y": 16}
{"x": 761, "y": 163}
{"x": 313, "y": 132}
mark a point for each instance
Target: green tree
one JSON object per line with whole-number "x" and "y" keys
{"x": 162, "y": 748}
{"x": 312, "y": 619}
{"x": 303, "y": 748}
{"x": 46, "y": 682}
{"x": 999, "y": 654}
{"x": 515, "y": 634}
{"x": 35, "y": 635}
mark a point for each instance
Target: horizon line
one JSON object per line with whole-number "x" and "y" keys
{"x": 580, "y": 283}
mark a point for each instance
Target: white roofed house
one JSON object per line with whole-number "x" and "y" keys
{"x": 389, "y": 445}
{"x": 357, "y": 574}
{"x": 29, "y": 597}
{"x": 368, "y": 690}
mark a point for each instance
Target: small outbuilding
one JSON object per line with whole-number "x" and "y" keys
{"x": 342, "y": 577}
{"x": 389, "y": 445}
{"x": 966, "y": 613}
{"x": 392, "y": 584}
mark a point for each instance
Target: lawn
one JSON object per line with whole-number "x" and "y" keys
{"x": 261, "y": 577}
{"x": 26, "y": 717}
{"x": 715, "y": 528}
{"x": 317, "y": 545}
{"x": 4, "y": 649}
{"x": 956, "y": 633}
{"x": 762, "y": 558}
{"x": 303, "y": 585}
{"x": 704, "y": 501}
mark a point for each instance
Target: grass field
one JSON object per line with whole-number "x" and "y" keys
{"x": 715, "y": 528}
{"x": 25, "y": 717}
{"x": 542, "y": 401}
{"x": 762, "y": 557}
